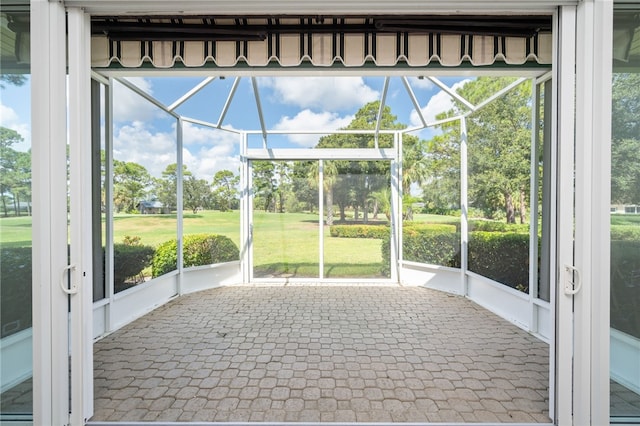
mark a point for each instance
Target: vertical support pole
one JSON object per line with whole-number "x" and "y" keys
{"x": 397, "y": 204}
{"x": 321, "y": 213}
{"x": 49, "y": 175}
{"x": 108, "y": 276}
{"x": 593, "y": 198}
{"x": 180, "y": 202}
{"x": 245, "y": 213}
{"x": 548, "y": 177}
{"x": 80, "y": 202}
{"x": 96, "y": 192}
{"x": 534, "y": 177}
{"x": 564, "y": 137}
{"x": 464, "y": 206}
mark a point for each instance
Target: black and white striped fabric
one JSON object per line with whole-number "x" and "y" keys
{"x": 326, "y": 49}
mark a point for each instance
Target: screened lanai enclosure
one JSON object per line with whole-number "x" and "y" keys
{"x": 371, "y": 178}
{"x": 311, "y": 217}
{"x": 324, "y": 204}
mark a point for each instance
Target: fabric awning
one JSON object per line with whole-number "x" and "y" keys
{"x": 325, "y": 42}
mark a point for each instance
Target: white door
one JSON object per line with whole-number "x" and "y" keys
{"x": 80, "y": 218}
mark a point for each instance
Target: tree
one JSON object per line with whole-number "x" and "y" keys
{"x": 625, "y": 144}
{"x": 196, "y": 193}
{"x": 15, "y": 171}
{"x": 14, "y": 79}
{"x": 225, "y": 190}
{"x": 264, "y": 183}
{"x": 350, "y": 183}
{"x": 499, "y": 140}
{"x": 166, "y": 188}
{"x": 131, "y": 182}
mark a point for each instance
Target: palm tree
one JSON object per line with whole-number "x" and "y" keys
{"x": 330, "y": 174}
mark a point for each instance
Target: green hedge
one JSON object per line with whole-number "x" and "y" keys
{"x": 625, "y": 286}
{"x": 128, "y": 261}
{"x": 15, "y": 289}
{"x": 494, "y": 226}
{"x": 444, "y": 227}
{"x": 625, "y": 233}
{"x": 198, "y": 249}
{"x": 431, "y": 245}
{"x": 501, "y": 256}
{"x": 359, "y": 231}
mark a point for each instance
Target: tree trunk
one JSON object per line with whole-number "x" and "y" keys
{"x": 365, "y": 213}
{"x": 329, "y": 203}
{"x": 4, "y": 206}
{"x": 16, "y": 204}
{"x": 509, "y": 208}
{"x": 281, "y": 196}
{"x": 375, "y": 209}
{"x": 409, "y": 214}
{"x": 523, "y": 208}
{"x": 343, "y": 216}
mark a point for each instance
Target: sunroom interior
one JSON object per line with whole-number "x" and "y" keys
{"x": 369, "y": 203}
{"x": 347, "y": 208}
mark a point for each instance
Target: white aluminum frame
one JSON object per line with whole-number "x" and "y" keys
{"x": 49, "y": 180}
{"x": 80, "y": 177}
{"x": 563, "y": 138}
{"x": 593, "y": 198}
{"x": 357, "y": 154}
{"x": 49, "y": 165}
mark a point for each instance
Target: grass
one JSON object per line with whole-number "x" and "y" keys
{"x": 285, "y": 245}
{"x": 625, "y": 219}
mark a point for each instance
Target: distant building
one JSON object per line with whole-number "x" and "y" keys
{"x": 151, "y": 207}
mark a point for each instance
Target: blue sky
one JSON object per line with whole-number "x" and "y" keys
{"x": 145, "y": 134}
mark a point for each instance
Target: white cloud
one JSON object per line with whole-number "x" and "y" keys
{"x": 439, "y": 103}
{"x": 129, "y": 106}
{"x": 10, "y": 119}
{"x": 213, "y": 150}
{"x": 420, "y": 83}
{"x": 324, "y": 93}
{"x": 205, "y": 151}
{"x": 309, "y": 120}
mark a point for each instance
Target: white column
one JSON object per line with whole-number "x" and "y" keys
{"x": 533, "y": 205}
{"x": 464, "y": 206}
{"x": 180, "y": 203}
{"x": 593, "y": 186}
{"x": 49, "y": 165}
{"x": 321, "y": 218}
{"x": 80, "y": 178}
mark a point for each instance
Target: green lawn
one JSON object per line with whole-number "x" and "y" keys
{"x": 285, "y": 245}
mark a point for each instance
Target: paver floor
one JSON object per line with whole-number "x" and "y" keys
{"x": 321, "y": 353}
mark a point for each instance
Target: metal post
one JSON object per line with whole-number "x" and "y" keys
{"x": 464, "y": 205}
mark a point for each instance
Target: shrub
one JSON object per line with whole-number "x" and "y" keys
{"x": 15, "y": 289}
{"x": 501, "y": 256}
{"x": 625, "y": 283}
{"x": 495, "y": 226}
{"x": 444, "y": 227}
{"x": 433, "y": 246}
{"x": 625, "y": 233}
{"x": 359, "y": 231}
{"x": 129, "y": 260}
{"x": 198, "y": 249}
{"x": 439, "y": 245}
{"x": 165, "y": 259}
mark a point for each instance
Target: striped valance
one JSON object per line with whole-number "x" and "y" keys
{"x": 226, "y": 42}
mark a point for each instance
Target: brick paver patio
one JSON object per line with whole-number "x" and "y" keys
{"x": 321, "y": 353}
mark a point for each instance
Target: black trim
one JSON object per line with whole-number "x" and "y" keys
{"x": 406, "y": 45}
